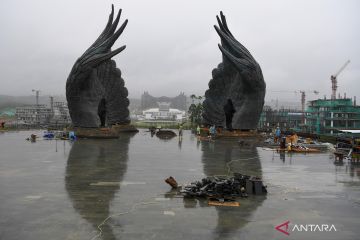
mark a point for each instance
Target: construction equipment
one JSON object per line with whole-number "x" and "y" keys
{"x": 334, "y": 80}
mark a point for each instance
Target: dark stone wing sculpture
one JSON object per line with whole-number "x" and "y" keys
{"x": 236, "y": 93}
{"x": 95, "y": 91}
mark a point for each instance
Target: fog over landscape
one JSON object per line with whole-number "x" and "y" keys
{"x": 171, "y": 46}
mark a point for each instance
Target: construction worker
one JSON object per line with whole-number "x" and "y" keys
{"x": 213, "y": 131}
{"x": 283, "y": 143}
{"x": 198, "y": 130}
{"x": 180, "y": 130}
{"x": 277, "y": 134}
{"x": 289, "y": 147}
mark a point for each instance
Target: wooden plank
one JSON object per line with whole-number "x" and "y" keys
{"x": 227, "y": 204}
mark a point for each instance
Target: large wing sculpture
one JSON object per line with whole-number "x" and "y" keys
{"x": 236, "y": 93}
{"x": 95, "y": 91}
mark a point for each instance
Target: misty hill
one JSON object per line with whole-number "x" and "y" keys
{"x": 18, "y": 101}
{"x": 9, "y": 103}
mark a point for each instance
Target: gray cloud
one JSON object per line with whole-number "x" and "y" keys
{"x": 172, "y": 46}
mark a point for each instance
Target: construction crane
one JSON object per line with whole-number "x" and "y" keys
{"x": 303, "y": 95}
{"x": 37, "y": 92}
{"x": 334, "y": 80}
{"x": 303, "y": 102}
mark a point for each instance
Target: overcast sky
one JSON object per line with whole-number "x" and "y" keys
{"x": 172, "y": 45}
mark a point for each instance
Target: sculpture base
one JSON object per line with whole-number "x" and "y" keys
{"x": 104, "y": 133}
{"x": 237, "y": 133}
{"x": 124, "y": 128}
{"x": 251, "y": 137}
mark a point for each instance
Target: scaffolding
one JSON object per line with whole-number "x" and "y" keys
{"x": 283, "y": 118}
{"x": 40, "y": 115}
{"x": 37, "y": 114}
{"x": 329, "y": 116}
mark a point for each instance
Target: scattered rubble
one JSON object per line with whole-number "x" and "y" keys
{"x": 32, "y": 138}
{"x": 172, "y": 182}
{"x": 221, "y": 188}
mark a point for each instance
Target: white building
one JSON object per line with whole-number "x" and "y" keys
{"x": 60, "y": 113}
{"x": 35, "y": 114}
{"x": 164, "y": 112}
{"x": 57, "y": 114}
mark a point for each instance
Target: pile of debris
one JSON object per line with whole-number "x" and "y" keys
{"x": 222, "y": 187}
{"x": 165, "y": 134}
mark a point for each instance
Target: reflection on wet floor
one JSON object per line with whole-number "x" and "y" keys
{"x": 93, "y": 174}
{"x": 63, "y": 190}
{"x": 223, "y": 158}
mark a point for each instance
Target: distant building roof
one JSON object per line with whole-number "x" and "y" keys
{"x": 171, "y": 110}
{"x": 350, "y": 131}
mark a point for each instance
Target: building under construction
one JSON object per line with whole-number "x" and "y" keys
{"x": 329, "y": 116}
{"x": 40, "y": 115}
{"x": 33, "y": 115}
{"x": 284, "y": 118}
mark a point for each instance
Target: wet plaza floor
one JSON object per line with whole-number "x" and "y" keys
{"x": 115, "y": 189}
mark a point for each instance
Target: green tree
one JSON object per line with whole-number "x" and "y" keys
{"x": 195, "y": 110}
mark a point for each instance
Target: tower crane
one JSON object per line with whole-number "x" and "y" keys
{"x": 334, "y": 80}
{"x": 303, "y": 95}
{"x": 303, "y": 92}
{"x": 37, "y": 92}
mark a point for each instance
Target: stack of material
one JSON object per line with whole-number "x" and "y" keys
{"x": 224, "y": 187}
